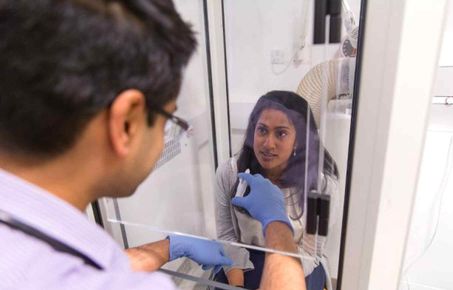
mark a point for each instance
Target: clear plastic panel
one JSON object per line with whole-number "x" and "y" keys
{"x": 282, "y": 138}
{"x": 187, "y": 281}
{"x": 275, "y": 52}
{"x": 183, "y": 195}
{"x": 178, "y": 194}
{"x": 186, "y": 273}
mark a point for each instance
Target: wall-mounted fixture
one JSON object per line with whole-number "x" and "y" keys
{"x": 322, "y": 9}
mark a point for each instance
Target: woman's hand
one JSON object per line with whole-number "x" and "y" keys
{"x": 236, "y": 277}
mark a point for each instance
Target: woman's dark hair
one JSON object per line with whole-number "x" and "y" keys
{"x": 295, "y": 174}
{"x": 62, "y": 62}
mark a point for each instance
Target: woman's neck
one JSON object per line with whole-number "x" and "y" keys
{"x": 274, "y": 176}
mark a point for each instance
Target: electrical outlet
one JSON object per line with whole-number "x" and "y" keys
{"x": 302, "y": 55}
{"x": 277, "y": 56}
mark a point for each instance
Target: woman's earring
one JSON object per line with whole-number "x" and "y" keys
{"x": 294, "y": 153}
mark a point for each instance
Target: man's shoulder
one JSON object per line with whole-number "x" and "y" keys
{"x": 21, "y": 256}
{"x": 28, "y": 263}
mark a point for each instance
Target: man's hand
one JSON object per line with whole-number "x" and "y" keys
{"x": 149, "y": 257}
{"x": 264, "y": 202}
{"x": 236, "y": 277}
{"x": 280, "y": 271}
{"x": 209, "y": 254}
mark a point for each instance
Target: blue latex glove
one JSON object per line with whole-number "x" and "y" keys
{"x": 209, "y": 254}
{"x": 264, "y": 202}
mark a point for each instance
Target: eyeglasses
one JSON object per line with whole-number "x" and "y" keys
{"x": 174, "y": 131}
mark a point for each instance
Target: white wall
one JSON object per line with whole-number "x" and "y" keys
{"x": 428, "y": 256}
{"x": 256, "y": 27}
{"x": 443, "y": 85}
{"x": 428, "y": 253}
{"x": 446, "y": 57}
{"x": 253, "y": 29}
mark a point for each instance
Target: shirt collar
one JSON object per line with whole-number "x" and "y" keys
{"x": 44, "y": 211}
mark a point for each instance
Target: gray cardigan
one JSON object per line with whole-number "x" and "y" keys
{"x": 235, "y": 226}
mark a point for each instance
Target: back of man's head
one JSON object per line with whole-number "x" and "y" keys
{"x": 62, "y": 62}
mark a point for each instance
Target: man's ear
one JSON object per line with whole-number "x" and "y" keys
{"x": 126, "y": 119}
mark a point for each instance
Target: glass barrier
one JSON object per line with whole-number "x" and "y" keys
{"x": 188, "y": 273}
{"x": 278, "y": 50}
{"x": 178, "y": 195}
{"x": 290, "y": 104}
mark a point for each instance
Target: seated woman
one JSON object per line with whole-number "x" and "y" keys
{"x": 281, "y": 136}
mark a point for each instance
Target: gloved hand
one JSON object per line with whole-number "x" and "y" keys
{"x": 206, "y": 253}
{"x": 264, "y": 202}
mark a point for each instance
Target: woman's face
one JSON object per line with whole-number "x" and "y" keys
{"x": 274, "y": 141}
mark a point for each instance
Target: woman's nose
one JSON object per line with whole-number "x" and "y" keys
{"x": 269, "y": 142}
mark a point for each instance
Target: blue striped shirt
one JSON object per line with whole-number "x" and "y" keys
{"x": 29, "y": 263}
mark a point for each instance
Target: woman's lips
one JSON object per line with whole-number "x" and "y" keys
{"x": 268, "y": 156}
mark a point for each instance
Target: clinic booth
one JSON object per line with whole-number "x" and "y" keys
{"x": 376, "y": 78}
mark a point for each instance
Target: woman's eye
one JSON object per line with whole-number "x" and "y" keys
{"x": 261, "y": 130}
{"x": 282, "y": 134}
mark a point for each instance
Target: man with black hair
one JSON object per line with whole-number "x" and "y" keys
{"x": 86, "y": 87}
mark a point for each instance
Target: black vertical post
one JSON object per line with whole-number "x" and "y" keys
{"x": 334, "y": 10}
{"x": 97, "y": 213}
{"x": 312, "y": 213}
{"x": 324, "y": 213}
{"x": 319, "y": 35}
{"x": 323, "y": 8}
